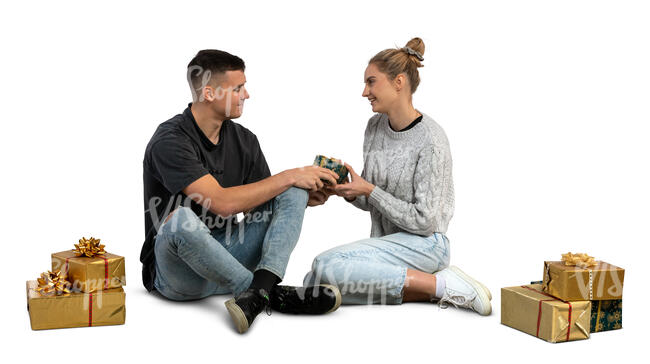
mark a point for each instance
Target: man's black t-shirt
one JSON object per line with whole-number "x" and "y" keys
{"x": 178, "y": 154}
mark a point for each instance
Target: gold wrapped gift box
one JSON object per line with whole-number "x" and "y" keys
{"x": 602, "y": 281}
{"x": 100, "y": 272}
{"x": 529, "y": 309}
{"x": 75, "y": 309}
{"x": 606, "y": 315}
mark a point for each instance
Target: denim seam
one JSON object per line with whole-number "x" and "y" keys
{"x": 400, "y": 295}
{"x": 241, "y": 287}
{"x": 433, "y": 244}
{"x": 376, "y": 250}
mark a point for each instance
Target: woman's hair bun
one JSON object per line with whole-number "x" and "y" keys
{"x": 415, "y": 50}
{"x": 407, "y": 60}
{"x": 417, "y": 45}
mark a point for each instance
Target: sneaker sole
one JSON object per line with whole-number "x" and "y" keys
{"x": 336, "y": 291}
{"x": 489, "y": 294}
{"x": 237, "y": 316}
{"x": 482, "y": 292}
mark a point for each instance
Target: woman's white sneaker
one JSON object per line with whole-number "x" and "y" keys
{"x": 462, "y": 290}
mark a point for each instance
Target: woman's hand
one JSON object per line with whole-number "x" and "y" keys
{"x": 357, "y": 187}
{"x": 319, "y": 197}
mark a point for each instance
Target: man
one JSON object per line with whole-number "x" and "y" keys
{"x": 200, "y": 170}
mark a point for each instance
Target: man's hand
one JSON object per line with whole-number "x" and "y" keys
{"x": 310, "y": 177}
{"x": 221, "y": 201}
{"x": 317, "y": 198}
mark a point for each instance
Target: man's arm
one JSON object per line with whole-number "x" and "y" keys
{"x": 207, "y": 192}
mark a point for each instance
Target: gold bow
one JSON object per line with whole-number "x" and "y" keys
{"x": 53, "y": 283}
{"x": 89, "y": 247}
{"x": 581, "y": 260}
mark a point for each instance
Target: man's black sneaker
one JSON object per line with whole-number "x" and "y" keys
{"x": 246, "y": 306}
{"x": 314, "y": 300}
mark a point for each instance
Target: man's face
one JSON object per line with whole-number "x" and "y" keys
{"x": 226, "y": 96}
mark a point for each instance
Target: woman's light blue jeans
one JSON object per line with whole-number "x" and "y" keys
{"x": 194, "y": 262}
{"x": 373, "y": 270}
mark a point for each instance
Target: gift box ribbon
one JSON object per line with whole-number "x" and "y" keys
{"x": 53, "y": 283}
{"x": 539, "y": 314}
{"x": 90, "y": 310}
{"x": 582, "y": 260}
{"x": 105, "y": 270}
{"x": 89, "y": 247}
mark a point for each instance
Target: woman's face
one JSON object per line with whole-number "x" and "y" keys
{"x": 379, "y": 90}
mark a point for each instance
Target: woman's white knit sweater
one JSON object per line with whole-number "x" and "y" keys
{"x": 411, "y": 171}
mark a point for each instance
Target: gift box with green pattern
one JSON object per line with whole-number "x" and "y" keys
{"x": 334, "y": 165}
{"x": 606, "y": 315}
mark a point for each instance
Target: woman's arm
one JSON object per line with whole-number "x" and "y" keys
{"x": 356, "y": 191}
{"x": 418, "y": 217}
{"x": 360, "y": 202}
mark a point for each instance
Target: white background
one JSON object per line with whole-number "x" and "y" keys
{"x": 545, "y": 105}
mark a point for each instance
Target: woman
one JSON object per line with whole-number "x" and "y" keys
{"x": 407, "y": 187}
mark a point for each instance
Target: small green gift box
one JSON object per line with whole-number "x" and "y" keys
{"x": 334, "y": 165}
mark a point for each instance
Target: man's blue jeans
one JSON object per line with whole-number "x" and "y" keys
{"x": 194, "y": 262}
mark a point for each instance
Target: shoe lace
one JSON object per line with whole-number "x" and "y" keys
{"x": 456, "y": 299}
{"x": 294, "y": 297}
{"x": 263, "y": 304}
{"x": 267, "y": 304}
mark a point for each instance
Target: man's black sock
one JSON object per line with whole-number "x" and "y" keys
{"x": 264, "y": 279}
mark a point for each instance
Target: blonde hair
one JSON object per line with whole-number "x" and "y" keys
{"x": 394, "y": 61}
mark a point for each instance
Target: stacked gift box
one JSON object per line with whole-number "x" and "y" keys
{"x": 84, "y": 288}
{"x": 577, "y": 296}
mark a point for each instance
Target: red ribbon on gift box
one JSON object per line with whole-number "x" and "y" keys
{"x": 539, "y": 312}
{"x": 90, "y": 310}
